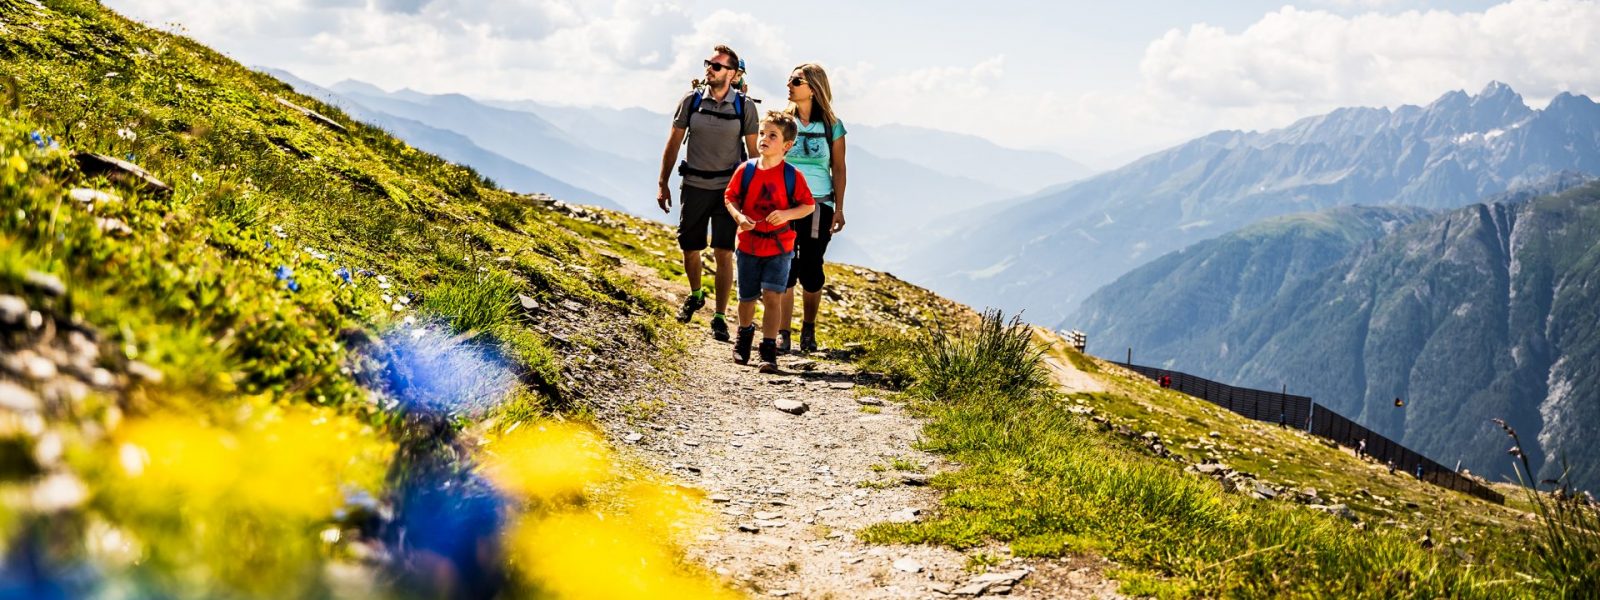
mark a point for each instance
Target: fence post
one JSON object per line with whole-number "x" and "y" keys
{"x": 1130, "y": 356}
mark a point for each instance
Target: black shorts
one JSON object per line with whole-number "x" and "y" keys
{"x": 697, "y": 207}
{"x": 806, "y": 269}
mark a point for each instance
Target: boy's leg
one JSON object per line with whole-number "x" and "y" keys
{"x": 749, "y": 292}
{"x": 774, "y": 278}
{"x": 747, "y": 314}
{"x": 770, "y": 301}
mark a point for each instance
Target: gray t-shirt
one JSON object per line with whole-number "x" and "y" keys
{"x": 715, "y": 143}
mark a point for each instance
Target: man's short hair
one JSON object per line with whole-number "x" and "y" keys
{"x": 721, "y": 49}
{"x": 783, "y": 122}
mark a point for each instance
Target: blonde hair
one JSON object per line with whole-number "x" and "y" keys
{"x": 821, "y": 96}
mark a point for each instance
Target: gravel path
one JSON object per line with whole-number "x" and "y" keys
{"x": 790, "y": 492}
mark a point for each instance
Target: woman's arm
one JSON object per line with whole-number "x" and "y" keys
{"x": 839, "y": 179}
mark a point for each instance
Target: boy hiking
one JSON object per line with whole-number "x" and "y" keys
{"x": 762, "y": 197}
{"x": 720, "y": 125}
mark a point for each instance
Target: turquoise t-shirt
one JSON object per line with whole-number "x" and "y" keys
{"x": 812, "y": 154}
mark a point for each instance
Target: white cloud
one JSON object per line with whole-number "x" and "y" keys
{"x": 940, "y": 97}
{"x": 1312, "y": 60}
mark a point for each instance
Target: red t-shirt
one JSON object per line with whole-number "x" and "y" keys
{"x": 766, "y": 194}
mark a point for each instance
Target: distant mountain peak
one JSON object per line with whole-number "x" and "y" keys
{"x": 1497, "y": 88}
{"x": 352, "y": 86}
{"x": 1450, "y": 99}
{"x": 1566, "y": 101}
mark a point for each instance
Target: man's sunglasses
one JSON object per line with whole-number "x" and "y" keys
{"x": 717, "y": 67}
{"x": 796, "y": 81}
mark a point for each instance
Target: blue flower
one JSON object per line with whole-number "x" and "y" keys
{"x": 285, "y": 273}
{"x": 269, "y": 245}
{"x": 294, "y": 286}
{"x": 38, "y": 139}
{"x": 343, "y": 273}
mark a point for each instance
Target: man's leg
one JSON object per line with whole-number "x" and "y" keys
{"x": 692, "y": 218}
{"x": 692, "y": 266}
{"x": 724, "y": 278}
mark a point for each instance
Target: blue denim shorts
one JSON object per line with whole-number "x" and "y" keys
{"x": 757, "y": 273}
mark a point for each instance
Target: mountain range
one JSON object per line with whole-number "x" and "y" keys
{"x": 1049, "y": 252}
{"x": 1481, "y": 312}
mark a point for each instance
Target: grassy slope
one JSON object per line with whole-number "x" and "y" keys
{"x": 1043, "y": 478}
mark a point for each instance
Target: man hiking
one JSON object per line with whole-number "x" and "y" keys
{"x": 720, "y": 124}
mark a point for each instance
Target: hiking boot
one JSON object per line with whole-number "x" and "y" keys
{"x": 808, "y": 340}
{"x": 769, "y": 356}
{"x": 690, "y": 305}
{"x": 783, "y": 341}
{"x": 741, "y": 348}
{"x": 719, "y": 329}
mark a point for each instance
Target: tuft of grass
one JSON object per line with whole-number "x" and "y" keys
{"x": 480, "y": 301}
{"x": 997, "y": 356}
{"x": 901, "y": 464}
{"x": 1566, "y": 545}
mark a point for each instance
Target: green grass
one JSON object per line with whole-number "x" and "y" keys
{"x": 1048, "y": 482}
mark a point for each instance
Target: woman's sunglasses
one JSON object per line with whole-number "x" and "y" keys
{"x": 796, "y": 81}
{"x": 717, "y": 67}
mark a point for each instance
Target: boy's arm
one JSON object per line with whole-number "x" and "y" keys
{"x": 802, "y": 192}
{"x": 730, "y": 200}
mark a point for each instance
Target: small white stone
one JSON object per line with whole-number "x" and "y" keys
{"x": 908, "y": 565}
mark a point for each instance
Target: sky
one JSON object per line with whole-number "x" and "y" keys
{"x": 1099, "y": 82}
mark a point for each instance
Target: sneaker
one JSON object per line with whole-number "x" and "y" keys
{"x": 783, "y": 341}
{"x": 690, "y": 305}
{"x": 741, "y": 348}
{"x": 808, "y": 340}
{"x": 769, "y": 356}
{"x": 719, "y": 329}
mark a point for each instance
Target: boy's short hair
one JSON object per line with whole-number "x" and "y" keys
{"x": 723, "y": 49}
{"x": 783, "y": 122}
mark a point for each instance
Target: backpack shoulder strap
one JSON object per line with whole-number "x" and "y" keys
{"x": 745, "y": 178}
{"x": 738, "y": 104}
{"x": 694, "y": 105}
{"x": 789, "y": 175}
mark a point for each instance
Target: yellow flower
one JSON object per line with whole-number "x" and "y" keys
{"x": 548, "y": 460}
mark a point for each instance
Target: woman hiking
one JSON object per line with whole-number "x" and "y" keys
{"x": 819, "y": 155}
